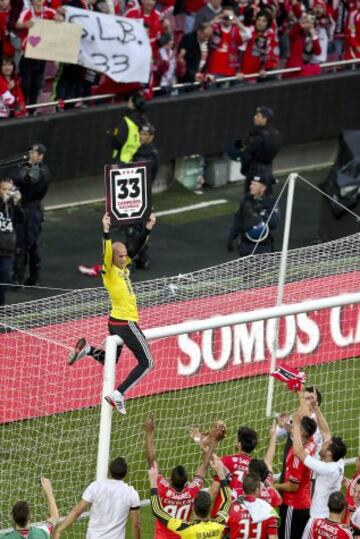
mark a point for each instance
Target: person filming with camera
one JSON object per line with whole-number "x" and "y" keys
{"x": 228, "y": 36}
{"x": 10, "y": 214}
{"x": 32, "y": 179}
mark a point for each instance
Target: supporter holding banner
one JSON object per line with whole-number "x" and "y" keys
{"x": 116, "y": 46}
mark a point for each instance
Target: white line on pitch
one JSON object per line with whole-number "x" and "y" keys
{"x": 158, "y": 214}
{"x": 191, "y": 207}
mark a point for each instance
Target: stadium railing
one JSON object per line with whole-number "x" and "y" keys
{"x": 190, "y": 85}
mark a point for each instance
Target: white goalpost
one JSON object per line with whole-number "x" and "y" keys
{"x": 236, "y": 319}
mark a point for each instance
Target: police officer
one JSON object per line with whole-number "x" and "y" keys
{"x": 260, "y": 147}
{"x": 148, "y": 154}
{"x": 32, "y": 180}
{"x": 254, "y": 220}
{"x": 126, "y": 136}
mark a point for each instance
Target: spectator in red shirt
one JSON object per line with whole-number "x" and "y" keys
{"x": 6, "y": 49}
{"x": 295, "y": 511}
{"x": 151, "y": 18}
{"x": 250, "y": 516}
{"x": 262, "y": 50}
{"x": 32, "y": 71}
{"x": 229, "y": 35}
{"x": 331, "y": 528}
{"x": 11, "y": 82}
{"x": 352, "y": 34}
{"x": 304, "y": 44}
{"x": 237, "y": 465}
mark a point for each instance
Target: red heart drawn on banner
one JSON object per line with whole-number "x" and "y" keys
{"x": 34, "y": 40}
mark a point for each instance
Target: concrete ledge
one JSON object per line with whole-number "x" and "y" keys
{"x": 80, "y": 191}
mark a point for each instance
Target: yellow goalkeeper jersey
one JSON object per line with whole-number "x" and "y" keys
{"x": 198, "y": 529}
{"x": 118, "y": 284}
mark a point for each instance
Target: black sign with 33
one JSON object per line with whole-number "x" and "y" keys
{"x": 128, "y": 192}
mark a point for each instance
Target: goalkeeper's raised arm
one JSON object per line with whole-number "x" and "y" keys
{"x": 124, "y": 316}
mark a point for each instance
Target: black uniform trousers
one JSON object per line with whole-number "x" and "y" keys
{"x": 135, "y": 340}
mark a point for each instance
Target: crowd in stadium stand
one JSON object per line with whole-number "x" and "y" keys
{"x": 192, "y": 41}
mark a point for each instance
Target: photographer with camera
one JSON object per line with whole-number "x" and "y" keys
{"x": 228, "y": 37}
{"x": 10, "y": 214}
{"x": 304, "y": 46}
{"x": 32, "y": 179}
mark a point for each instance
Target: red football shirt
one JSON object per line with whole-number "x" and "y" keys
{"x": 241, "y": 525}
{"x": 29, "y": 14}
{"x": 297, "y": 472}
{"x": 175, "y": 503}
{"x": 238, "y": 466}
{"x": 350, "y": 492}
{"x": 270, "y": 495}
{"x": 323, "y": 528}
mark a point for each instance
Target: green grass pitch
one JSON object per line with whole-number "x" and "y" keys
{"x": 64, "y": 447}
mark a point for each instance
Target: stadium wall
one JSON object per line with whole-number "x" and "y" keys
{"x": 307, "y": 110}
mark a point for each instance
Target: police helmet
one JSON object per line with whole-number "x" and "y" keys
{"x": 257, "y": 232}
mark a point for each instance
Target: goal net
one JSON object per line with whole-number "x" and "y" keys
{"x": 49, "y": 412}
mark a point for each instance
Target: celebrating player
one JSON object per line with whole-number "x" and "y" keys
{"x": 355, "y": 517}
{"x": 177, "y": 494}
{"x": 124, "y": 313}
{"x": 350, "y": 488}
{"x": 237, "y": 465}
{"x": 267, "y": 492}
{"x": 331, "y": 528}
{"x": 250, "y": 516}
{"x": 202, "y": 527}
{"x": 22, "y": 517}
{"x": 295, "y": 511}
{"x": 329, "y": 470}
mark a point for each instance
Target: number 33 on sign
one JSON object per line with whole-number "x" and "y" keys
{"x": 128, "y": 193}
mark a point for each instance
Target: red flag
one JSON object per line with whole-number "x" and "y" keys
{"x": 290, "y": 376}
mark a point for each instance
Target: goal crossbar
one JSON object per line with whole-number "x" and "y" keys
{"x": 113, "y": 341}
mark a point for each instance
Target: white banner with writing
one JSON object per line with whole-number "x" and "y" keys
{"x": 116, "y": 46}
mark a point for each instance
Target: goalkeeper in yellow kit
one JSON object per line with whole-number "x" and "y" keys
{"x": 124, "y": 313}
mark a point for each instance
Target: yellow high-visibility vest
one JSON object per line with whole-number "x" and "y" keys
{"x": 132, "y": 143}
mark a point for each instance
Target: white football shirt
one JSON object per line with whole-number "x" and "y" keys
{"x": 329, "y": 476}
{"x": 355, "y": 522}
{"x": 111, "y": 500}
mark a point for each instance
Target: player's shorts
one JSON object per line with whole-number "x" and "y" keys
{"x": 292, "y": 522}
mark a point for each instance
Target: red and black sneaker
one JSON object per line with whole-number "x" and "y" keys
{"x": 81, "y": 350}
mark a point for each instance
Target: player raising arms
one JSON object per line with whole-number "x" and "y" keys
{"x": 237, "y": 465}
{"x": 251, "y": 517}
{"x": 177, "y": 494}
{"x": 202, "y": 527}
{"x": 124, "y": 313}
{"x": 329, "y": 470}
